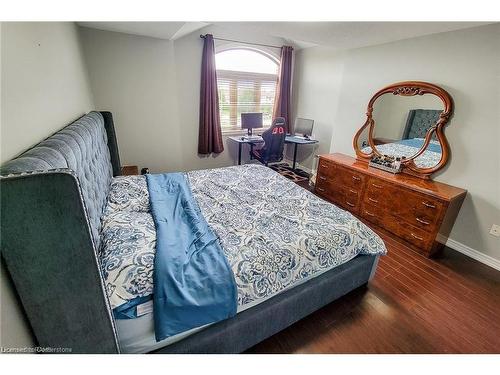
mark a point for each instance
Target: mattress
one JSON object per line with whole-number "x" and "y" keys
{"x": 275, "y": 236}
{"x": 138, "y": 336}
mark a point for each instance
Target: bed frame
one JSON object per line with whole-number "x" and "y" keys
{"x": 51, "y": 199}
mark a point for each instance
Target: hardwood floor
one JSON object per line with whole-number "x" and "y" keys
{"x": 413, "y": 305}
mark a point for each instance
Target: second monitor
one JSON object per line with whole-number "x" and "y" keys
{"x": 303, "y": 127}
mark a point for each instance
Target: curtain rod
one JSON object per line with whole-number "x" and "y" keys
{"x": 239, "y": 41}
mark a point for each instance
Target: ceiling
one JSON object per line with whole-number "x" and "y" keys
{"x": 337, "y": 35}
{"x": 162, "y": 30}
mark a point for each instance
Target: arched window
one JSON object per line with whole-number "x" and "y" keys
{"x": 246, "y": 81}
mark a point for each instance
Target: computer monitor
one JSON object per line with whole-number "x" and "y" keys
{"x": 303, "y": 126}
{"x": 251, "y": 120}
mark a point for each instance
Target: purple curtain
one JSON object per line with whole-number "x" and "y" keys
{"x": 210, "y": 134}
{"x": 283, "y": 88}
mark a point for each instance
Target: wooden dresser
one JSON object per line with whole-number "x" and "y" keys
{"x": 419, "y": 212}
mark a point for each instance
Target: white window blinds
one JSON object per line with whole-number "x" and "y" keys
{"x": 244, "y": 90}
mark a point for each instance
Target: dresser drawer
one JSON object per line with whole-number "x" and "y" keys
{"x": 380, "y": 194}
{"x": 327, "y": 182}
{"x": 324, "y": 187}
{"x": 327, "y": 186}
{"x": 337, "y": 194}
{"x": 347, "y": 204}
{"x": 416, "y": 236}
{"x": 341, "y": 185}
{"x": 349, "y": 198}
{"x": 373, "y": 214}
{"x": 351, "y": 178}
{"x": 422, "y": 211}
{"x": 351, "y": 194}
{"x": 334, "y": 196}
{"x": 326, "y": 168}
{"x": 377, "y": 186}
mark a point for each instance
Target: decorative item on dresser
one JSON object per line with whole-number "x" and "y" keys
{"x": 406, "y": 125}
{"x": 420, "y": 212}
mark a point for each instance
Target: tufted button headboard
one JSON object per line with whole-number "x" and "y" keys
{"x": 52, "y": 198}
{"x": 81, "y": 147}
{"x": 419, "y": 121}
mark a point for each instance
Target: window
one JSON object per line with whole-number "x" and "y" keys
{"x": 246, "y": 81}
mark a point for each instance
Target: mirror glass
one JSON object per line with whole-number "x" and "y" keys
{"x": 363, "y": 144}
{"x": 402, "y": 123}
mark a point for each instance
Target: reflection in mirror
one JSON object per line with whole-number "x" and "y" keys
{"x": 363, "y": 144}
{"x": 401, "y": 125}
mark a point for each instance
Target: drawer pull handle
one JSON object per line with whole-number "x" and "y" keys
{"x": 416, "y": 237}
{"x": 356, "y": 178}
{"x": 369, "y": 213}
{"x": 422, "y": 221}
{"x": 428, "y": 205}
{"x": 350, "y": 204}
{"x": 372, "y": 200}
{"x": 322, "y": 178}
{"x": 324, "y": 166}
{"x": 353, "y": 191}
{"x": 377, "y": 186}
{"x": 321, "y": 189}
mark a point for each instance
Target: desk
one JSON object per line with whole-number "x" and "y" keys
{"x": 241, "y": 141}
{"x": 288, "y": 139}
{"x": 298, "y": 141}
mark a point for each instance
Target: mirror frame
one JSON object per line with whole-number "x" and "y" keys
{"x": 411, "y": 88}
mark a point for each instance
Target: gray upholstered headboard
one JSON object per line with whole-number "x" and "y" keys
{"x": 419, "y": 121}
{"x": 52, "y": 198}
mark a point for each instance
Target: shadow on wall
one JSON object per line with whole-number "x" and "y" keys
{"x": 474, "y": 236}
{"x": 227, "y": 157}
{"x": 232, "y": 149}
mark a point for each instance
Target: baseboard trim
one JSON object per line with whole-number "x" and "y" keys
{"x": 474, "y": 254}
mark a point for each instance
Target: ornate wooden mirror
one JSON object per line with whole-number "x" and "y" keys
{"x": 405, "y": 121}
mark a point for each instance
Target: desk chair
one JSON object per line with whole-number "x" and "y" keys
{"x": 274, "y": 143}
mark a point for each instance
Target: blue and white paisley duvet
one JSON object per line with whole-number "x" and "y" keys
{"x": 274, "y": 233}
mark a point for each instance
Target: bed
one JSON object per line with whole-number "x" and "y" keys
{"x": 82, "y": 245}
{"x": 409, "y": 147}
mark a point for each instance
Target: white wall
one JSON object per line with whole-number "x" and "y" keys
{"x": 316, "y": 88}
{"x": 134, "y": 78}
{"x": 44, "y": 83}
{"x": 44, "y": 87}
{"x": 466, "y": 63}
{"x": 152, "y": 86}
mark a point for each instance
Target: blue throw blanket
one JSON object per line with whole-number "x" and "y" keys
{"x": 193, "y": 283}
